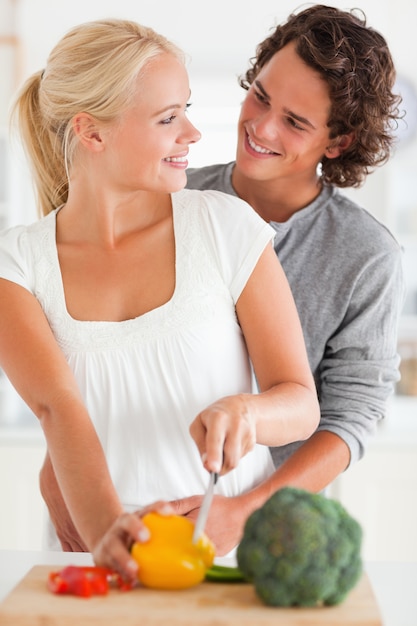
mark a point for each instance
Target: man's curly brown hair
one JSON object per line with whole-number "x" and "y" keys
{"x": 357, "y": 66}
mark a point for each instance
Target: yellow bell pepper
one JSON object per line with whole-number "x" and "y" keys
{"x": 169, "y": 560}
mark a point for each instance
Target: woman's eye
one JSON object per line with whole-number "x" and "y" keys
{"x": 172, "y": 117}
{"x": 169, "y": 119}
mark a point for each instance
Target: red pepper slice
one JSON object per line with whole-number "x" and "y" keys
{"x": 56, "y": 584}
{"x": 79, "y": 581}
{"x": 85, "y": 581}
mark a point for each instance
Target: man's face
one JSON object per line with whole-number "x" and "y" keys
{"x": 282, "y": 129}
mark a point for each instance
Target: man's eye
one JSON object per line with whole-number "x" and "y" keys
{"x": 259, "y": 96}
{"x": 292, "y": 122}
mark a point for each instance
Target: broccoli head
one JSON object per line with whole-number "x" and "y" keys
{"x": 301, "y": 549}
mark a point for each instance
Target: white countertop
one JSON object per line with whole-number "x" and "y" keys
{"x": 394, "y": 584}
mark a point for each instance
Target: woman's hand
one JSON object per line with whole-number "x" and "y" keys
{"x": 224, "y": 432}
{"x": 113, "y": 549}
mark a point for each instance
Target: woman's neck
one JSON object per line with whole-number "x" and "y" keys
{"x": 107, "y": 218}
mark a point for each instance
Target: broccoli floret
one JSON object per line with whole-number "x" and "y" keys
{"x": 301, "y": 549}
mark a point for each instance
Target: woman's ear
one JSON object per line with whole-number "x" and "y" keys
{"x": 88, "y": 131}
{"x": 339, "y": 145}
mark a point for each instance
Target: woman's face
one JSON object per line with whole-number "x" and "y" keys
{"x": 147, "y": 148}
{"x": 283, "y": 128}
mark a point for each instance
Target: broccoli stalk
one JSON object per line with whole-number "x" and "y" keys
{"x": 301, "y": 549}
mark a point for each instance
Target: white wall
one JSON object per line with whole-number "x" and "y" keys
{"x": 219, "y": 34}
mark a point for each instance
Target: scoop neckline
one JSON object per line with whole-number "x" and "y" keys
{"x": 129, "y": 321}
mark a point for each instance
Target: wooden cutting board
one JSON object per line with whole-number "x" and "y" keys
{"x": 208, "y": 604}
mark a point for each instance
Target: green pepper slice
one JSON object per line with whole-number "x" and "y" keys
{"x": 225, "y": 574}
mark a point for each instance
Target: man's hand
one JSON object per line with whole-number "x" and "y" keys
{"x": 225, "y": 522}
{"x": 61, "y": 519}
{"x": 313, "y": 466}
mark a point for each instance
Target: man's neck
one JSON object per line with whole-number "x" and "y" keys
{"x": 278, "y": 200}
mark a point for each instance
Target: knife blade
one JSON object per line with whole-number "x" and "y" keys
{"x": 205, "y": 507}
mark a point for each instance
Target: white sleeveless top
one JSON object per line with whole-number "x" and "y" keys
{"x": 144, "y": 380}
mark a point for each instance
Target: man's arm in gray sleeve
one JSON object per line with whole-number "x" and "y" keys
{"x": 361, "y": 364}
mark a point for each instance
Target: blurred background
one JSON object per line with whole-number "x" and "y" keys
{"x": 220, "y": 37}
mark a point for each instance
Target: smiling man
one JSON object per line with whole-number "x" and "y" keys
{"x": 319, "y": 115}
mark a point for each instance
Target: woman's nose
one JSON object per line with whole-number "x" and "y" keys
{"x": 194, "y": 133}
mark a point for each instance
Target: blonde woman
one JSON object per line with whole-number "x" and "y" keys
{"x": 132, "y": 312}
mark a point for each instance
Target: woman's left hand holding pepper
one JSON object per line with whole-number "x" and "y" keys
{"x": 113, "y": 550}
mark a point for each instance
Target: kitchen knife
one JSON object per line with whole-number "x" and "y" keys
{"x": 205, "y": 507}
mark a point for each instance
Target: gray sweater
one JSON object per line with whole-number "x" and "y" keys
{"x": 345, "y": 271}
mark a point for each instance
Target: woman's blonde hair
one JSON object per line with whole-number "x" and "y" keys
{"x": 93, "y": 69}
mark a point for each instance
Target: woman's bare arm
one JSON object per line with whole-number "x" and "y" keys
{"x": 38, "y": 370}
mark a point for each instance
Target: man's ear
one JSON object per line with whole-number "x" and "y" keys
{"x": 339, "y": 145}
{"x": 88, "y": 132}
